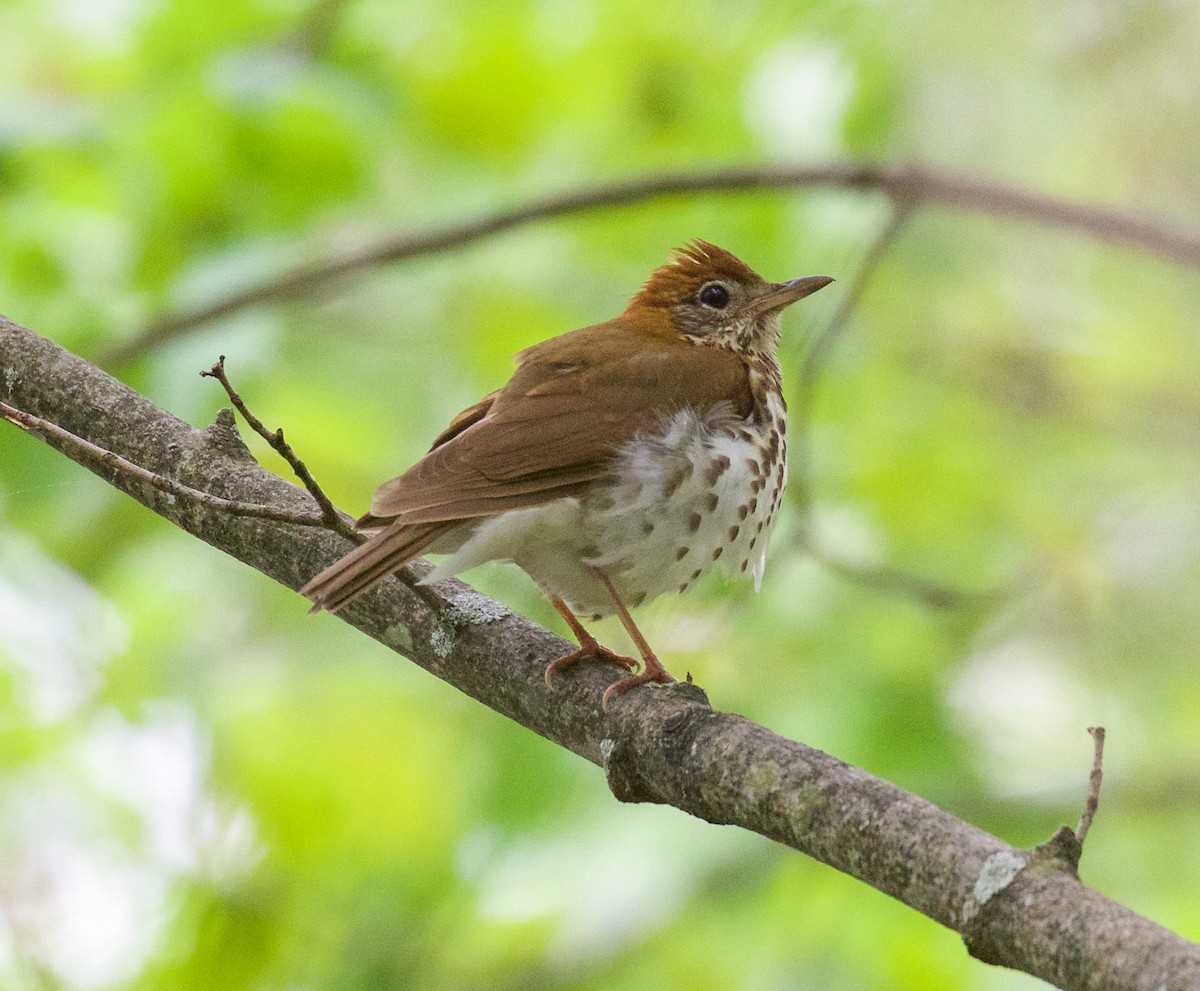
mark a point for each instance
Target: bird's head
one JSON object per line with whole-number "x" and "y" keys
{"x": 717, "y": 300}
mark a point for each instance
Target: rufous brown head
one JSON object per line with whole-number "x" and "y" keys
{"x": 717, "y": 300}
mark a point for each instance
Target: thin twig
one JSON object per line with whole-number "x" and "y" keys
{"x": 125, "y": 467}
{"x": 821, "y": 347}
{"x": 901, "y": 182}
{"x": 935, "y": 594}
{"x": 1094, "y": 782}
{"x": 329, "y": 513}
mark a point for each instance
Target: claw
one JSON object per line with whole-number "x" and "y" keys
{"x": 589, "y": 652}
{"x": 654, "y": 673}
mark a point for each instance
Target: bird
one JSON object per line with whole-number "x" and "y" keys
{"x": 621, "y": 461}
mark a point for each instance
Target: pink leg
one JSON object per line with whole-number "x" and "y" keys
{"x": 652, "y": 670}
{"x": 589, "y": 647}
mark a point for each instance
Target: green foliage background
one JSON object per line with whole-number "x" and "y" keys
{"x": 201, "y": 787}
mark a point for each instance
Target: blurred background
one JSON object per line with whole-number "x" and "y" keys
{"x": 994, "y": 542}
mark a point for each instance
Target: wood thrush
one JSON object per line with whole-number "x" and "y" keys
{"x": 620, "y": 461}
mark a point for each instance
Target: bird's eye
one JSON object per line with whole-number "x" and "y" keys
{"x": 714, "y": 295}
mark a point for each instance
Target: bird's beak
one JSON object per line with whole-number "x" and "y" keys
{"x": 775, "y": 296}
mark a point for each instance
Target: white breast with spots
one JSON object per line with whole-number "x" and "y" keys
{"x": 703, "y": 492}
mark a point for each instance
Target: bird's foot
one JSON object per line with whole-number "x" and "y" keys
{"x": 589, "y": 650}
{"x": 653, "y": 672}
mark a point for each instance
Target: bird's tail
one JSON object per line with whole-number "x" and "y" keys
{"x": 391, "y": 548}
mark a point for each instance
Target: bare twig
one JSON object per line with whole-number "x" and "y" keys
{"x": 821, "y": 347}
{"x": 1094, "y": 782}
{"x": 333, "y": 519}
{"x": 822, "y": 343}
{"x": 903, "y": 183}
{"x": 935, "y": 594}
{"x": 123, "y": 466}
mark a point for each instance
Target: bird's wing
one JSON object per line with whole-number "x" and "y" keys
{"x": 554, "y": 428}
{"x": 471, "y": 415}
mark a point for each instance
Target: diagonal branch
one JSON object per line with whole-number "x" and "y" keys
{"x": 902, "y": 183}
{"x": 1015, "y": 908}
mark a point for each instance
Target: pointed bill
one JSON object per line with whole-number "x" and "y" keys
{"x": 775, "y": 296}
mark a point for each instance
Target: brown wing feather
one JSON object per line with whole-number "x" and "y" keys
{"x": 466, "y": 418}
{"x": 554, "y": 428}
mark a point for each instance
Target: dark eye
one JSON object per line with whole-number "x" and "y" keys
{"x": 714, "y": 295}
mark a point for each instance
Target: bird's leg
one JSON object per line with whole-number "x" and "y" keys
{"x": 589, "y": 647}
{"x": 652, "y": 670}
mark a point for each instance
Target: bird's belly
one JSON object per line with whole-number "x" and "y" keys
{"x": 684, "y": 502}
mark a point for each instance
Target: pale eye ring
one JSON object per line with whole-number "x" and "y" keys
{"x": 714, "y": 295}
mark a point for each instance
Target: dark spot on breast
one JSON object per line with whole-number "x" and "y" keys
{"x": 755, "y": 486}
{"x": 682, "y": 553}
{"x": 647, "y": 528}
{"x": 711, "y": 501}
{"x": 745, "y": 565}
{"x": 743, "y": 511}
{"x": 717, "y": 552}
{"x": 683, "y": 587}
{"x": 754, "y": 505}
{"x": 678, "y": 476}
{"x": 696, "y": 574}
{"x": 753, "y": 541}
{"x": 694, "y": 522}
{"x": 754, "y": 466}
{"x": 715, "y": 470}
{"x": 760, "y": 524}
{"x": 733, "y": 532}
{"x": 779, "y": 472}
{"x": 637, "y": 600}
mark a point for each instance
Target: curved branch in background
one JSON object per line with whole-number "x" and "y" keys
{"x": 914, "y": 184}
{"x": 1015, "y": 908}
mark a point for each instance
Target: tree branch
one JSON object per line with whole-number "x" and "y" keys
{"x": 1026, "y": 910}
{"x": 913, "y": 184}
